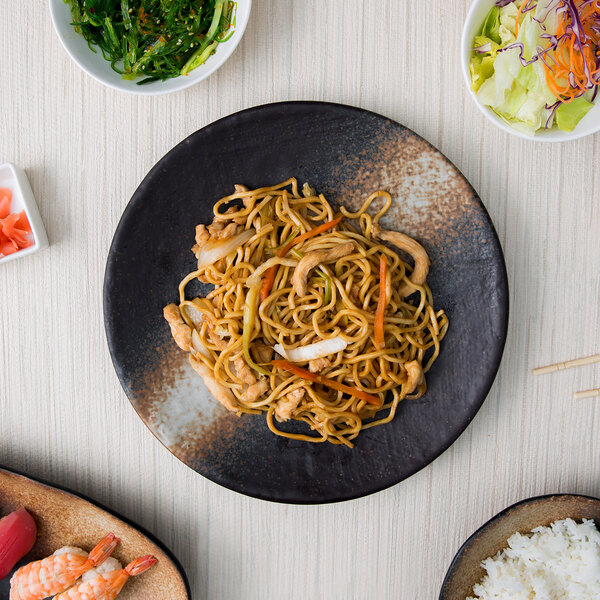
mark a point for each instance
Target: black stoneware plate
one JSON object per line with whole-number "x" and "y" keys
{"x": 64, "y": 518}
{"x": 466, "y": 570}
{"x": 345, "y": 153}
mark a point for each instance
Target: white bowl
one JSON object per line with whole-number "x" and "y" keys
{"x": 588, "y": 125}
{"x": 14, "y": 177}
{"x": 94, "y": 64}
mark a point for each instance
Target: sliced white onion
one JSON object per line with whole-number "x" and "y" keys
{"x": 214, "y": 251}
{"x": 312, "y": 351}
{"x": 255, "y": 279}
{"x": 192, "y": 313}
{"x": 198, "y": 345}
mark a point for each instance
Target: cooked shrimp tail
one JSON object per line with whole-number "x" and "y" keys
{"x": 102, "y": 550}
{"x": 136, "y": 567}
{"x": 139, "y": 565}
{"x": 106, "y": 586}
{"x": 58, "y": 572}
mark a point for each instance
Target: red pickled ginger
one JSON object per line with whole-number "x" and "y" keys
{"x": 15, "y": 231}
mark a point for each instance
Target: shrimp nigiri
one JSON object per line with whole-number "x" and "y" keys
{"x": 58, "y": 572}
{"x": 106, "y": 586}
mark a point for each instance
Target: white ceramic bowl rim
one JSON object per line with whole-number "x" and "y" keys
{"x": 94, "y": 64}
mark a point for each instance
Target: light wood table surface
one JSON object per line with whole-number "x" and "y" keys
{"x": 63, "y": 415}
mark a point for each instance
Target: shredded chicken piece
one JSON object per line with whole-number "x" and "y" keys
{"x": 239, "y": 188}
{"x": 289, "y": 403}
{"x": 318, "y": 364}
{"x": 418, "y": 253}
{"x": 220, "y": 392}
{"x": 312, "y": 259}
{"x": 414, "y": 372}
{"x": 218, "y": 230}
{"x": 355, "y": 293}
{"x": 202, "y": 237}
{"x": 218, "y": 341}
{"x": 243, "y": 371}
{"x": 220, "y": 265}
{"x": 181, "y": 332}
{"x": 254, "y": 391}
{"x": 226, "y": 216}
{"x": 263, "y": 353}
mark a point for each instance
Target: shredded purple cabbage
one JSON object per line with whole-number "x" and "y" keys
{"x": 581, "y": 37}
{"x": 483, "y": 49}
{"x": 543, "y": 57}
{"x": 538, "y": 56}
{"x": 575, "y": 27}
{"x": 552, "y": 110}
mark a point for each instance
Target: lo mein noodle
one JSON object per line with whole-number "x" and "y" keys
{"x": 312, "y": 317}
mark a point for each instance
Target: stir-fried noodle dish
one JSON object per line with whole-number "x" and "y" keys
{"x": 314, "y": 315}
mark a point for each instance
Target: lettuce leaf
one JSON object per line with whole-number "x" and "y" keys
{"x": 518, "y": 94}
{"x": 568, "y": 115}
{"x": 491, "y": 25}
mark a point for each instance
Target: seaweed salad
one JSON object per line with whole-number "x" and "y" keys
{"x": 154, "y": 39}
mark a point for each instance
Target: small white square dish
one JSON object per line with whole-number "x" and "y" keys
{"x": 14, "y": 178}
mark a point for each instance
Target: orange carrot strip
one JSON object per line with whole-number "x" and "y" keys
{"x": 317, "y": 378}
{"x": 269, "y": 279}
{"x": 517, "y": 19}
{"x": 380, "y": 313}
{"x": 309, "y": 234}
{"x": 267, "y": 283}
{"x": 569, "y": 59}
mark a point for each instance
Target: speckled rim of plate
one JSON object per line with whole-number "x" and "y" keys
{"x": 454, "y": 570}
{"x": 343, "y": 151}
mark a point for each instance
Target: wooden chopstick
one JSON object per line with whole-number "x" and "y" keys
{"x": 586, "y": 394}
{"x": 569, "y": 364}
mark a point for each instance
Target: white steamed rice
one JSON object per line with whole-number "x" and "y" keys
{"x": 560, "y": 562}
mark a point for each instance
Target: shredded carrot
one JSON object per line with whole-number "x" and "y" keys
{"x": 517, "y": 19}
{"x": 317, "y": 378}
{"x": 269, "y": 279}
{"x": 309, "y": 234}
{"x": 267, "y": 283}
{"x": 575, "y": 62}
{"x": 380, "y": 313}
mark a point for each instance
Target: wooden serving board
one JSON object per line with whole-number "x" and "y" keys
{"x": 67, "y": 519}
